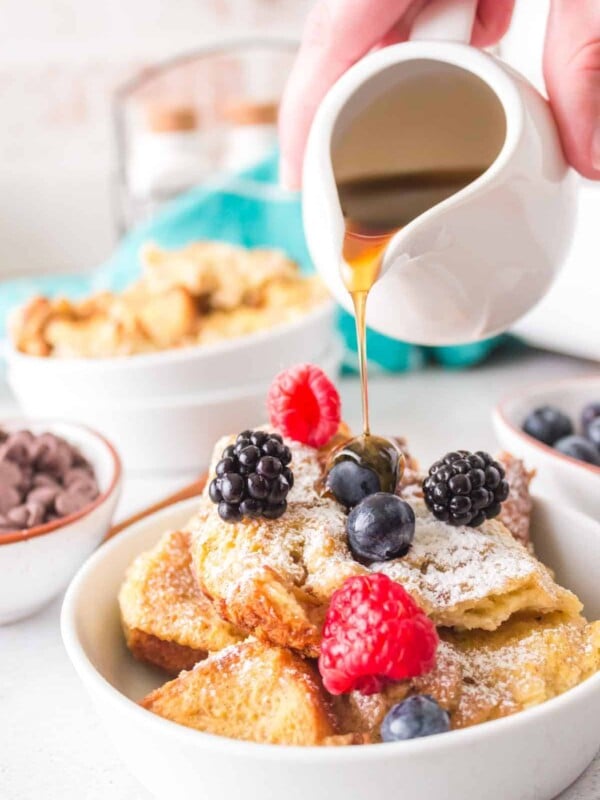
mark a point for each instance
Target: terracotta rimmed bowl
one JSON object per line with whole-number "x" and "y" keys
{"x": 565, "y": 479}
{"x": 532, "y": 755}
{"x": 36, "y": 564}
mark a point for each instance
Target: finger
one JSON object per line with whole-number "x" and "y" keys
{"x": 572, "y": 74}
{"x": 491, "y": 21}
{"x": 337, "y": 34}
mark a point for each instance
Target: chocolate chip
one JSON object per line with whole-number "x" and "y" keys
{"x": 69, "y": 502}
{"x": 18, "y": 516}
{"x": 44, "y": 495}
{"x": 76, "y": 473}
{"x": 24, "y": 484}
{"x": 44, "y": 450}
{"x": 15, "y": 449}
{"x": 44, "y": 479}
{"x": 10, "y": 474}
{"x": 85, "y": 486}
{"x": 9, "y": 498}
{"x": 35, "y": 514}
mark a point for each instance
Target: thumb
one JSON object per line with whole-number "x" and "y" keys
{"x": 572, "y": 74}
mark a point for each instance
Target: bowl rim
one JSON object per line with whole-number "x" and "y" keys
{"x": 502, "y": 414}
{"x": 429, "y": 745}
{"x": 59, "y": 524}
{"x": 173, "y": 354}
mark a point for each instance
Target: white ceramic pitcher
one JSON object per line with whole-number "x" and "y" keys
{"x": 470, "y": 266}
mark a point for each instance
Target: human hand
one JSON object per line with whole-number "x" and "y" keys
{"x": 339, "y": 33}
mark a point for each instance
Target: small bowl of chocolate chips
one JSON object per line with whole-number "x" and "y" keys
{"x": 59, "y": 485}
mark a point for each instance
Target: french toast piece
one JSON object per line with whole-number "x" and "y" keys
{"x": 274, "y": 578}
{"x": 527, "y": 661}
{"x": 167, "y": 620}
{"x": 516, "y": 509}
{"x": 484, "y": 675}
{"x": 249, "y": 691}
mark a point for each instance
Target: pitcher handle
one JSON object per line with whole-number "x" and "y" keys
{"x": 446, "y": 20}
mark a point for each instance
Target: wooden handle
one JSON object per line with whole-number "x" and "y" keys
{"x": 191, "y": 490}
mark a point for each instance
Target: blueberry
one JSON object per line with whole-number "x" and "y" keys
{"x": 579, "y": 448}
{"x": 589, "y": 413}
{"x": 380, "y": 527}
{"x": 593, "y": 432}
{"x": 350, "y": 483}
{"x": 417, "y": 716}
{"x": 548, "y": 424}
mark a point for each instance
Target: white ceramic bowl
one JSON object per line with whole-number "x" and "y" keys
{"x": 530, "y": 756}
{"x": 564, "y": 479}
{"x": 166, "y": 433}
{"x": 36, "y": 564}
{"x": 186, "y": 371}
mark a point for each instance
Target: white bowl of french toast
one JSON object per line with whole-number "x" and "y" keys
{"x": 319, "y": 624}
{"x": 194, "y": 322}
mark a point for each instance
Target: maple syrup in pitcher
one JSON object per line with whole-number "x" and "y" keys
{"x": 374, "y": 209}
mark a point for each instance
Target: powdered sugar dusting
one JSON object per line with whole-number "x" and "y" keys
{"x": 472, "y": 577}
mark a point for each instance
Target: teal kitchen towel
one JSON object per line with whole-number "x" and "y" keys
{"x": 249, "y": 209}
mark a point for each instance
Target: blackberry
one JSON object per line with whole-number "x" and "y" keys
{"x": 253, "y": 477}
{"x": 465, "y": 488}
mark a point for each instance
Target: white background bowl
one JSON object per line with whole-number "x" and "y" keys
{"x": 36, "y": 564}
{"x": 564, "y": 479}
{"x": 163, "y": 434}
{"x": 191, "y": 370}
{"x": 529, "y": 756}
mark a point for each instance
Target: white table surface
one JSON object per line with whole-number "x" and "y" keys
{"x": 51, "y": 743}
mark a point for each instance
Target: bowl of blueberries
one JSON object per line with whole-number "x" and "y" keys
{"x": 555, "y": 428}
{"x": 59, "y": 486}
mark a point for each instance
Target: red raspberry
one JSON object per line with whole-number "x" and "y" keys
{"x": 304, "y": 405}
{"x": 374, "y": 632}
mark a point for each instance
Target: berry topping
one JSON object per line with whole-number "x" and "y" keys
{"x": 350, "y": 483}
{"x": 547, "y": 424}
{"x": 465, "y": 488}
{"x": 253, "y": 478}
{"x": 381, "y": 527}
{"x": 305, "y": 405}
{"x": 589, "y": 414}
{"x": 419, "y": 715}
{"x": 579, "y": 448}
{"x": 374, "y": 632}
